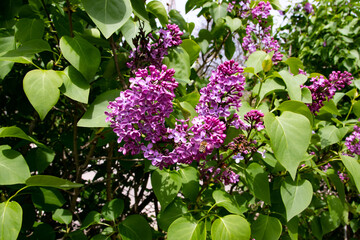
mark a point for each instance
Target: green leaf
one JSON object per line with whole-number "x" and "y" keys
{"x": 43, "y": 231}
{"x": 108, "y": 15}
{"x": 62, "y": 216}
{"x": 224, "y": 199}
{"x": 329, "y": 135}
{"x": 296, "y": 196}
{"x": 166, "y": 185}
{"x": 233, "y": 23}
{"x": 306, "y": 95}
{"x": 42, "y": 89}
{"x": 229, "y": 48}
{"x": 172, "y": 212}
{"x": 192, "y": 48}
{"x": 266, "y": 227}
{"x": 28, "y": 29}
{"x": 296, "y": 107}
{"x": 13, "y": 167}
{"x": 158, "y": 9}
{"x": 230, "y": 227}
{"x": 356, "y": 109}
{"x": 39, "y": 159}
{"x": 295, "y": 64}
{"x": 255, "y": 60}
{"x": 139, "y": 9}
{"x": 26, "y": 51}
{"x": 113, "y": 209}
{"x": 329, "y": 107}
{"x": 339, "y": 186}
{"x": 276, "y": 5}
{"x": 192, "y": 98}
{"x": 293, "y": 226}
{"x": 47, "y": 199}
{"x": 268, "y": 87}
{"x": 176, "y": 18}
{"x": 179, "y": 60}
{"x": 218, "y": 11}
{"x": 190, "y": 182}
{"x": 51, "y": 181}
{"x": 353, "y": 166}
{"x": 135, "y": 227}
{"x": 81, "y": 54}
{"x": 186, "y": 228}
{"x": 327, "y": 223}
{"x": 75, "y": 85}
{"x": 93, "y": 217}
{"x": 10, "y": 220}
{"x": 337, "y": 210}
{"x": 289, "y": 138}
{"x": 6, "y": 44}
{"x": 18, "y": 133}
{"x": 129, "y": 30}
{"x": 95, "y": 114}
{"x": 292, "y": 85}
{"x": 258, "y": 182}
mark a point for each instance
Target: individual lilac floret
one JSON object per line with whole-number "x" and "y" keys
{"x": 325, "y": 167}
{"x": 231, "y": 6}
{"x": 146, "y": 53}
{"x": 323, "y": 89}
{"x": 308, "y": 7}
{"x": 223, "y": 91}
{"x": 353, "y": 141}
{"x": 139, "y": 112}
{"x": 261, "y": 11}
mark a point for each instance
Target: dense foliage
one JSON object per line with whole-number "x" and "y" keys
{"x": 118, "y": 121}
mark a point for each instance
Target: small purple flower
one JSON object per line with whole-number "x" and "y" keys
{"x": 262, "y": 10}
{"x": 254, "y": 119}
{"x": 302, "y": 72}
{"x": 308, "y": 7}
{"x": 325, "y": 167}
{"x": 343, "y": 176}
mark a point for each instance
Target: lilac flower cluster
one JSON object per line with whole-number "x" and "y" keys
{"x": 219, "y": 174}
{"x": 205, "y": 130}
{"x": 353, "y": 141}
{"x": 223, "y": 91}
{"x": 142, "y": 109}
{"x": 254, "y": 119}
{"x": 308, "y": 7}
{"x": 258, "y": 36}
{"x": 343, "y": 176}
{"x": 323, "y": 89}
{"x": 146, "y": 53}
{"x": 325, "y": 167}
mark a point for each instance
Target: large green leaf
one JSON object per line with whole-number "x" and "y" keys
{"x": 179, "y": 60}
{"x": 218, "y": 11}
{"x": 51, "y": 181}
{"x": 75, "y": 85}
{"x": 135, "y": 227}
{"x": 26, "y": 51}
{"x": 112, "y": 210}
{"x": 233, "y": 23}
{"x": 139, "y": 9}
{"x": 266, "y": 228}
{"x": 186, "y": 228}
{"x": 268, "y": 87}
{"x": 255, "y": 60}
{"x": 62, "y": 216}
{"x": 95, "y": 114}
{"x": 18, "y": 133}
{"x": 224, "y": 199}
{"x": 47, "y": 199}
{"x": 6, "y": 44}
{"x": 292, "y": 85}
{"x": 129, "y": 30}
{"x": 230, "y": 227}
{"x": 166, "y": 185}
{"x": 190, "y": 182}
{"x": 42, "y": 89}
{"x": 108, "y": 15}
{"x": 353, "y": 166}
{"x": 93, "y": 217}
{"x": 294, "y": 64}
{"x": 28, "y": 29}
{"x": 258, "y": 182}
{"x": 329, "y": 135}
{"x": 172, "y": 212}
{"x": 10, "y": 220}
{"x": 289, "y": 138}
{"x": 39, "y": 159}
{"x": 81, "y": 54}
{"x": 192, "y": 48}
{"x": 296, "y": 196}
{"x": 296, "y": 107}
{"x": 158, "y": 9}
{"x": 13, "y": 167}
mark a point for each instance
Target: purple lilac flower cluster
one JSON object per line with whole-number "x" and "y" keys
{"x": 146, "y": 53}
{"x": 308, "y": 7}
{"x": 222, "y": 174}
{"x": 142, "y": 109}
{"x": 206, "y": 130}
{"x": 252, "y": 120}
{"x": 258, "y": 36}
{"x": 323, "y": 89}
{"x": 353, "y": 141}
{"x": 223, "y": 91}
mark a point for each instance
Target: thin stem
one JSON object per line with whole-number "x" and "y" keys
{"x": 109, "y": 172}
{"x": 69, "y": 12}
{"x": 17, "y": 193}
{"x": 120, "y": 76}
